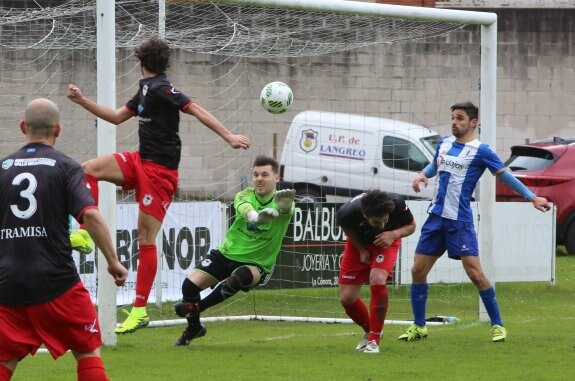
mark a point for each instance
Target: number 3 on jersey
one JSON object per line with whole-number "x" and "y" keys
{"x": 27, "y": 193}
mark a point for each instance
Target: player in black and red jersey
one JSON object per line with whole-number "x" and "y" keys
{"x": 42, "y": 300}
{"x": 374, "y": 223}
{"x": 153, "y": 170}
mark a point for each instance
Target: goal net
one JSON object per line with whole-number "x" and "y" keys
{"x": 361, "y": 60}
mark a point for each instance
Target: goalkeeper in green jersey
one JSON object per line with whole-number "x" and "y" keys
{"x": 250, "y": 249}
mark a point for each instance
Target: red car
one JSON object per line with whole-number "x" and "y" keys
{"x": 547, "y": 167}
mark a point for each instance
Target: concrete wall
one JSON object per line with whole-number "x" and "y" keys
{"x": 536, "y": 75}
{"x": 415, "y": 82}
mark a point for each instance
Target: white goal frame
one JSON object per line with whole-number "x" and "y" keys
{"x": 488, "y": 97}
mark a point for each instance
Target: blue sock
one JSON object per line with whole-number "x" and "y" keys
{"x": 418, "y": 301}
{"x": 490, "y": 303}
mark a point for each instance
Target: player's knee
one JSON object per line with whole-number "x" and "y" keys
{"x": 347, "y": 295}
{"x": 378, "y": 277}
{"x": 418, "y": 274}
{"x": 346, "y": 300}
{"x": 241, "y": 279}
{"x": 480, "y": 281}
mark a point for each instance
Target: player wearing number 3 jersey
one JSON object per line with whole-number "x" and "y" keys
{"x": 42, "y": 300}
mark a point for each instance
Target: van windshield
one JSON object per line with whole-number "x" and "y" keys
{"x": 430, "y": 143}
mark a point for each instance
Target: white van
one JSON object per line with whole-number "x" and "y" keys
{"x": 327, "y": 153}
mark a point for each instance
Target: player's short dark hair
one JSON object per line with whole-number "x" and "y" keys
{"x": 154, "y": 54}
{"x": 262, "y": 160}
{"x": 470, "y": 109}
{"x": 376, "y": 203}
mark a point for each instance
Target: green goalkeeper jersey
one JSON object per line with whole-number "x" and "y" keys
{"x": 251, "y": 243}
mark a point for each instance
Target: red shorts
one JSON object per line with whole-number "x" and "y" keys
{"x": 155, "y": 184}
{"x": 352, "y": 271}
{"x": 69, "y": 322}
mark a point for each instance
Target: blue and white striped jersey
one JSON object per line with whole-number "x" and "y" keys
{"x": 459, "y": 167}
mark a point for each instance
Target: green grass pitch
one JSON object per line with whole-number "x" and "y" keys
{"x": 540, "y": 347}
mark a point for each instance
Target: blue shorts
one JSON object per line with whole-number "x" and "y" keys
{"x": 439, "y": 234}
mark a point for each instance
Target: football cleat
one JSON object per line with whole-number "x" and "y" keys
{"x": 413, "y": 333}
{"x": 498, "y": 333}
{"x": 371, "y": 347}
{"x": 190, "y": 334}
{"x": 137, "y": 318}
{"x": 361, "y": 346}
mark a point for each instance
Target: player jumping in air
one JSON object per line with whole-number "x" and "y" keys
{"x": 153, "y": 170}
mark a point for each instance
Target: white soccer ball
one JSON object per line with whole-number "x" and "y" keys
{"x": 276, "y": 97}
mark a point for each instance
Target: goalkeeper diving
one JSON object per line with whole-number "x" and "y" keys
{"x": 248, "y": 254}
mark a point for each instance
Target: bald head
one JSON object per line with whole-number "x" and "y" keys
{"x": 42, "y": 117}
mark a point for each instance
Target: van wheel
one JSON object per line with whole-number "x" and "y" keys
{"x": 308, "y": 195}
{"x": 570, "y": 239}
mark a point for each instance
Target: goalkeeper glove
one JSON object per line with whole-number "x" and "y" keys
{"x": 284, "y": 199}
{"x": 265, "y": 216}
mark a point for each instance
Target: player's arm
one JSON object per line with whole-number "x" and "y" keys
{"x": 364, "y": 256}
{"x": 210, "y": 121}
{"x": 114, "y": 116}
{"x": 428, "y": 172}
{"x": 386, "y": 238}
{"x": 99, "y": 232}
{"x": 511, "y": 181}
{"x": 404, "y": 231}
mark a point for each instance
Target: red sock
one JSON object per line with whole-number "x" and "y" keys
{"x": 91, "y": 369}
{"x": 378, "y": 308}
{"x": 357, "y": 311}
{"x": 5, "y": 373}
{"x": 93, "y": 183}
{"x": 146, "y": 274}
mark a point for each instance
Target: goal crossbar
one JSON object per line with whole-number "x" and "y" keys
{"x": 372, "y": 9}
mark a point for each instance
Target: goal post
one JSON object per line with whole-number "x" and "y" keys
{"x": 488, "y": 85}
{"x": 488, "y": 104}
{"x": 106, "y": 144}
{"x": 368, "y": 60}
